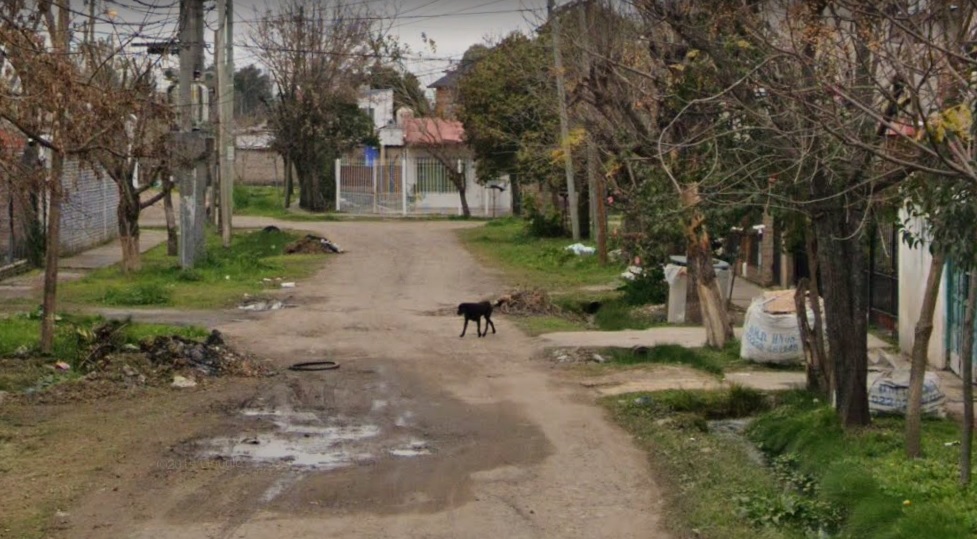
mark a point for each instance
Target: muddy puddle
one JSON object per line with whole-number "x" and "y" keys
{"x": 305, "y": 441}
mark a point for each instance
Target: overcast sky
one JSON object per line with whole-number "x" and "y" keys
{"x": 452, "y": 25}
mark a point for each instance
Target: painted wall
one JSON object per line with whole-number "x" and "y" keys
{"x": 914, "y": 264}
{"x": 88, "y": 213}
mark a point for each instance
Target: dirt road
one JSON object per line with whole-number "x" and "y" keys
{"x": 418, "y": 434}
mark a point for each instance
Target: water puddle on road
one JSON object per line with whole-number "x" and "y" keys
{"x": 303, "y": 441}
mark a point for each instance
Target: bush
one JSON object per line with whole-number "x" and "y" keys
{"x": 542, "y": 223}
{"x": 649, "y": 288}
{"x": 138, "y": 294}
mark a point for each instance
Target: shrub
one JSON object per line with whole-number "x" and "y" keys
{"x": 649, "y": 288}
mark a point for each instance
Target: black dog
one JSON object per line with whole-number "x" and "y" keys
{"x": 475, "y": 311}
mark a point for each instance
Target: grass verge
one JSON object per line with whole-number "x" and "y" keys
{"x": 704, "y": 359}
{"x": 219, "y": 280}
{"x": 812, "y": 479}
{"x": 20, "y": 336}
{"x": 267, "y": 201}
{"x": 535, "y": 262}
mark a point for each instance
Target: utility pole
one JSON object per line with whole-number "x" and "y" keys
{"x": 224, "y": 44}
{"x": 564, "y": 130}
{"x": 190, "y": 146}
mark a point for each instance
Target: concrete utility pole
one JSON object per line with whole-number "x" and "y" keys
{"x": 225, "y": 103}
{"x": 190, "y": 146}
{"x": 564, "y": 130}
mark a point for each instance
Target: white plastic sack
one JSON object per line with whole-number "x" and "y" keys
{"x": 632, "y": 273}
{"x": 771, "y": 338}
{"x": 889, "y": 394}
{"x": 580, "y": 249}
{"x": 673, "y": 272}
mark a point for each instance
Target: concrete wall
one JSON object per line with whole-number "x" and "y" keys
{"x": 88, "y": 214}
{"x": 914, "y": 265}
{"x": 258, "y": 167}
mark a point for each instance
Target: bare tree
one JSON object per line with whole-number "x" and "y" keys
{"x": 317, "y": 52}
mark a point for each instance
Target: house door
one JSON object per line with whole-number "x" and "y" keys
{"x": 957, "y": 282}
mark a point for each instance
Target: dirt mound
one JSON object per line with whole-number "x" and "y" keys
{"x": 528, "y": 302}
{"x": 310, "y": 245}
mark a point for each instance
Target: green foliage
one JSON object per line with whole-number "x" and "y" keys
{"x": 704, "y": 476}
{"x": 705, "y": 359}
{"x": 406, "y": 86}
{"x": 542, "y": 222}
{"x": 252, "y": 91}
{"x": 20, "y": 335}
{"x": 218, "y": 280}
{"x": 534, "y": 262}
{"x": 649, "y": 288}
{"x": 865, "y": 475}
{"x": 138, "y": 294}
{"x": 509, "y": 110}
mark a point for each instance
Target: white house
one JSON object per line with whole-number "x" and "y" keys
{"x": 379, "y": 104}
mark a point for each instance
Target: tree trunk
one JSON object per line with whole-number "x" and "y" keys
{"x": 52, "y": 252}
{"x": 465, "y": 210}
{"x": 715, "y": 318}
{"x": 842, "y": 267}
{"x": 127, "y": 215}
{"x": 289, "y": 185}
{"x": 967, "y": 373}
{"x": 817, "y": 379}
{"x": 516, "y": 192}
{"x": 172, "y": 241}
{"x": 924, "y": 329}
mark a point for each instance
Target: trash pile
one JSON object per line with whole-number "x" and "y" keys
{"x": 528, "y": 302}
{"x": 210, "y": 358}
{"x": 312, "y": 244}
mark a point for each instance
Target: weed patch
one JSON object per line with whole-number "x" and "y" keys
{"x": 864, "y": 474}
{"x": 535, "y": 262}
{"x": 266, "y": 201}
{"x": 705, "y": 359}
{"x": 219, "y": 279}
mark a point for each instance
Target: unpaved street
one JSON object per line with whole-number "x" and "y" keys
{"x": 418, "y": 434}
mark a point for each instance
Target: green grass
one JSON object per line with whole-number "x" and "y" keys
{"x": 704, "y": 359}
{"x": 265, "y": 201}
{"x": 219, "y": 280}
{"x": 537, "y": 325}
{"x": 864, "y": 472}
{"x": 21, "y": 333}
{"x": 704, "y": 476}
{"x": 816, "y": 477}
{"x": 535, "y": 262}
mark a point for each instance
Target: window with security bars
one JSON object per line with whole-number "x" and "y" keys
{"x": 432, "y": 177}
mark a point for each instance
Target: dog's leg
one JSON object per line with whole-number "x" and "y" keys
{"x": 478, "y": 326}
{"x": 464, "y": 329}
{"x": 488, "y": 322}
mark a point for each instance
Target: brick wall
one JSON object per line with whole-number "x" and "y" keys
{"x": 258, "y": 167}
{"x": 88, "y": 214}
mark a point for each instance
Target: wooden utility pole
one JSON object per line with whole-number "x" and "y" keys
{"x": 564, "y": 129}
{"x": 225, "y": 103}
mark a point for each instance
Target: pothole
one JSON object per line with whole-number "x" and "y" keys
{"x": 304, "y": 441}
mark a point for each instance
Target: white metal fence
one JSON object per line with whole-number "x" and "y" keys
{"x": 414, "y": 185}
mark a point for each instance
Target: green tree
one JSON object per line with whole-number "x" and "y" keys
{"x": 406, "y": 86}
{"x": 509, "y": 111}
{"x": 252, "y": 92}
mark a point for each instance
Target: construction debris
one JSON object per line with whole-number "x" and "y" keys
{"x": 181, "y": 382}
{"x": 263, "y": 304}
{"x": 312, "y": 244}
{"x": 528, "y": 302}
{"x": 211, "y": 357}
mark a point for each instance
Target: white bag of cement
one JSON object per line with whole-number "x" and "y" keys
{"x": 889, "y": 394}
{"x": 580, "y": 249}
{"x": 771, "y": 337}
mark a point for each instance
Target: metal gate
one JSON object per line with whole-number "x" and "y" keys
{"x": 370, "y": 186}
{"x": 957, "y": 282}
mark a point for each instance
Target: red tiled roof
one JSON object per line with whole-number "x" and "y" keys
{"x": 432, "y": 131}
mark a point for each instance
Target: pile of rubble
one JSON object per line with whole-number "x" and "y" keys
{"x": 312, "y": 244}
{"x": 210, "y": 358}
{"x": 528, "y": 302}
